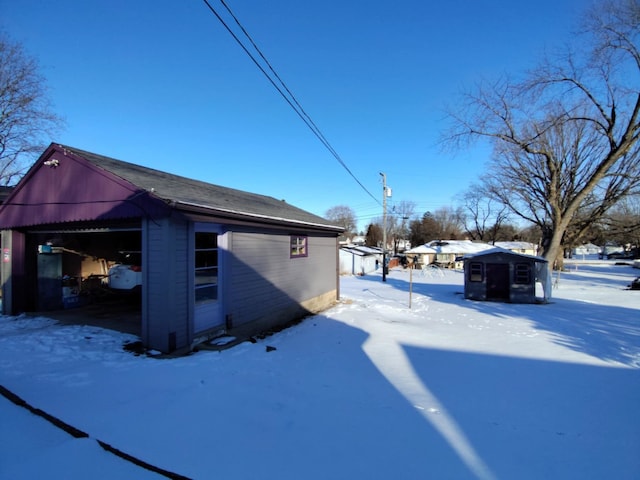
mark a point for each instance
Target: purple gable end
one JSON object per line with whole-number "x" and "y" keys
{"x": 64, "y": 187}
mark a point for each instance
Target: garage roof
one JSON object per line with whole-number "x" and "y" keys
{"x": 188, "y": 193}
{"x": 191, "y": 195}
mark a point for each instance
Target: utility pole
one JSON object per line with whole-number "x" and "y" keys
{"x": 384, "y": 227}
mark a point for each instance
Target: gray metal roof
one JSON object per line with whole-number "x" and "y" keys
{"x": 188, "y": 194}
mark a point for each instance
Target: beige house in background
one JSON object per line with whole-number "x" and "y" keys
{"x": 525, "y": 248}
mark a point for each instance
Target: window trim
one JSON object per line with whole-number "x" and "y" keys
{"x": 201, "y": 287}
{"x": 520, "y": 269}
{"x": 476, "y": 272}
{"x": 298, "y": 246}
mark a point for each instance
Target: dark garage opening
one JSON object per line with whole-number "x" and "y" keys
{"x": 79, "y": 276}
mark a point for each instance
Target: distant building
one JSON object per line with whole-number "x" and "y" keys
{"x": 359, "y": 260}
{"x": 587, "y": 249}
{"x": 525, "y": 248}
{"x": 449, "y": 253}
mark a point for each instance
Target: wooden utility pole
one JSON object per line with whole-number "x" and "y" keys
{"x": 384, "y": 227}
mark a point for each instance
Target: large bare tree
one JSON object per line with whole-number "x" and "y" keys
{"x": 622, "y": 223}
{"x": 26, "y": 118}
{"x": 344, "y": 216}
{"x": 483, "y": 216}
{"x": 565, "y": 135}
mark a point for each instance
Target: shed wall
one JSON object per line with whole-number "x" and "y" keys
{"x": 352, "y": 264}
{"x": 166, "y": 313}
{"x": 518, "y": 292}
{"x": 267, "y": 287}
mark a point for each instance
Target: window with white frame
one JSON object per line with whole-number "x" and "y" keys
{"x": 206, "y": 267}
{"x": 299, "y": 247}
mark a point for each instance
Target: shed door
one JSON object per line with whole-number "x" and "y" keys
{"x": 206, "y": 285}
{"x": 497, "y": 281}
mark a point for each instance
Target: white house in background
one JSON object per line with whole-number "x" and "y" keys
{"x": 525, "y": 248}
{"x": 446, "y": 253}
{"x": 421, "y": 254}
{"x": 610, "y": 248}
{"x": 449, "y": 253}
{"x": 358, "y": 240}
{"x": 587, "y": 249}
{"x": 359, "y": 260}
{"x": 403, "y": 245}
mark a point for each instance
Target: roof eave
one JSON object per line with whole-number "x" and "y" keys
{"x": 198, "y": 208}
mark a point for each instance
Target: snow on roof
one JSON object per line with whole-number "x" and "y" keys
{"x": 361, "y": 250}
{"x": 421, "y": 249}
{"x": 589, "y": 245}
{"x": 516, "y": 245}
{"x": 458, "y": 246}
{"x": 503, "y": 251}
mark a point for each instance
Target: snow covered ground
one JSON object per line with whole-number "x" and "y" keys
{"x": 371, "y": 389}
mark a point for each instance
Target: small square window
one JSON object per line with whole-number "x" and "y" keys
{"x": 475, "y": 271}
{"x": 523, "y": 274}
{"x": 298, "y": 246}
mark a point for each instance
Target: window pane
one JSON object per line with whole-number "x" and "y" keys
{"x": 523, "y": 273}
{"x": 204, "y": 294}
{"x": 475, "y": 272}
{"x": 206, "y": 267}
{"x": 206, "y": 240}
{"x": 206, "y": 276}
{"x": 206, "y": 258}
{"x": 298, "y": 246}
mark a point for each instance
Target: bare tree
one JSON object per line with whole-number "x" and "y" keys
{"x": 450, "y": 223}
{"x": 345, "y": 217}
{"x": 565, "y": 137}
{"x": 26, "y": 118}
{"x": 622, "y": 224}
{"x": 401, "y": 214}
{"x": 483, "y": 215}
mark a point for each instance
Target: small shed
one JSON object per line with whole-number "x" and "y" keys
{"x": 505, "y": 276}
{"x": 359, "y": 260}
{"x": 212, "y": 259}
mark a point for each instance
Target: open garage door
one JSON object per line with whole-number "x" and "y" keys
{"x": 91, "y": 276}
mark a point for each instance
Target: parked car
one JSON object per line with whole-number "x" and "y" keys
{"x": 126, "y": 276}
{"x": 620, "y": 255}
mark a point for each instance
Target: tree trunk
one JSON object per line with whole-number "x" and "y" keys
{"x": 552, "y": 248}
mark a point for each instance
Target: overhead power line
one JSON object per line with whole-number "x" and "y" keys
{"x": 282, "y": 88}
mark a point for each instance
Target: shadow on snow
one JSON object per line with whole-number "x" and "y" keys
{"x": 610, "y": 333}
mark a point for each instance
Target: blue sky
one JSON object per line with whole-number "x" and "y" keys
{"x": 162, "y": 84}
